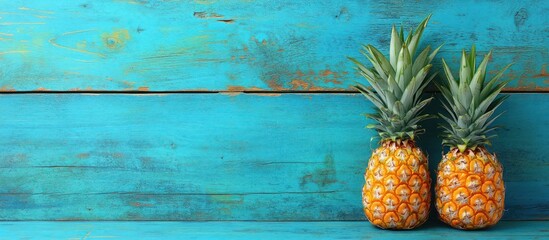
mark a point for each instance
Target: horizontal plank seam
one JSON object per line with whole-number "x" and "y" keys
{"x": 252, "y": 220}
{"x": 220, "y": 92}
{"x": 171, "y": 194}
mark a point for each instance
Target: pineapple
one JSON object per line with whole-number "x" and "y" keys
{"x": 397, "y": 194}
{"x": 469, "y": 190}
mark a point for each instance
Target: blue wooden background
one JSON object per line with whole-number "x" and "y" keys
{"x": 244, "y": 111}
{"x": 211, "y": 45}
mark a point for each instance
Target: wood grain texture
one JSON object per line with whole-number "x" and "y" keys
{"x": 176, "y": 45}
{"x": 260, "y": 230}
{"x": 221, "y": 157}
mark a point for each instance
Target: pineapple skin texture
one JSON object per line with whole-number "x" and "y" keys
{"x": 470, "y": 192}
{"x": 397, "y": 192}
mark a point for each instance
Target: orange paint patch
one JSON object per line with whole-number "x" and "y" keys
{"x": 542, "y": 74}
{"x": 316, "y": 88}
{"x": 267, "y": 94}
{"x": 7, "y": 89}
{"x": 274, "y": 84}
{"x": 242, "y": 89}
{"x": 334, "y": 81}
{"x": 299, "y": 84}
{"x": 235, "y": 88}
{"x": 143, "y": 89}
{"x": 330, "y": 76}
{"x": 307, "y": 80}
{"x": 128, "y": 85}
{"x": 326, "y": 73}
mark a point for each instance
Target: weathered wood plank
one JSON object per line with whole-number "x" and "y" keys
{"x": 220, "y": 157}
{"x": 260, "y": 230}
{"x": 248, "y": 45}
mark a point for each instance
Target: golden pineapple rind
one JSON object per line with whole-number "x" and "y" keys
{"x": 470, "y": 192}
{"x": 396, "y": 193}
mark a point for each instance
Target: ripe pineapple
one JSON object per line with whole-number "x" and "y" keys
{"x": 397, "y": 190}
{"x": 469, "y": 191}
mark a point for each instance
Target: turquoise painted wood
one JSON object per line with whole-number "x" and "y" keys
{"x": 260, "y": 230}
{"x": 158, "y": 45}
{"x": 221, "y": 157}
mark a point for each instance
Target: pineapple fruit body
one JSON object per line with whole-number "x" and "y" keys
{"x": 397, "y": 194}
{"x": 470, "y": 192}
{"x": 397, "y": 190}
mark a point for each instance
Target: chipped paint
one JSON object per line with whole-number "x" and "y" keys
{"x": 54, "y": 40}
{"x": 21, "y": 23}
{"x": 274, "y": 84}
{"x": 298, "y": 84}
{"x": 117, "y": 39}
{"x": 36, "y": 10}
{"x": 543, "y": 73}
{"x": 15, "y": 51}
{"x": 237, "y": 90}
{"x": 128, "y": 85}
{"x": 308, "y": 81}
{"x": 267, "y": 94}
{"x": 242, "y": 89}
{"x": 232, "y": 94}
{"x": 143, "y": 89}
{"x": 41, "y": 16}
{"x": 7, "y": 89}
{"x": 83, "y": 155}
{"x": 326, "y": 72}
{"x": 205, "y": 15}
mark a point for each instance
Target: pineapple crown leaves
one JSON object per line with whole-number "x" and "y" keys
{"x": 397, "y": 83}
{"x": 470, "y": 102}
